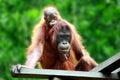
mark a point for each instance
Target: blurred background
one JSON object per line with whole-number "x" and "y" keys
{"x": 97, "y": 21}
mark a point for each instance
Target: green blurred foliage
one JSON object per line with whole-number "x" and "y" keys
{"x": 97, "y": 21}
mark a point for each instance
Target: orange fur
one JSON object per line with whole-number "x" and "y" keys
{"x": 42, "y": 49}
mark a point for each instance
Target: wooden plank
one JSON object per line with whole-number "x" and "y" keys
{"x": 116, "y": 71}
{"x": 72, "y": 75}
{"x": 109, "y": 65}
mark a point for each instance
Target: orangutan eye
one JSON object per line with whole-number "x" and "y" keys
{"x": 48, "y": 18}
{"x": 54, "y": 17}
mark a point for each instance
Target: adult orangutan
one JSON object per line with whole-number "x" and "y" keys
{"x": 54, "y": 42}
{"x": 65, "y": 42}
